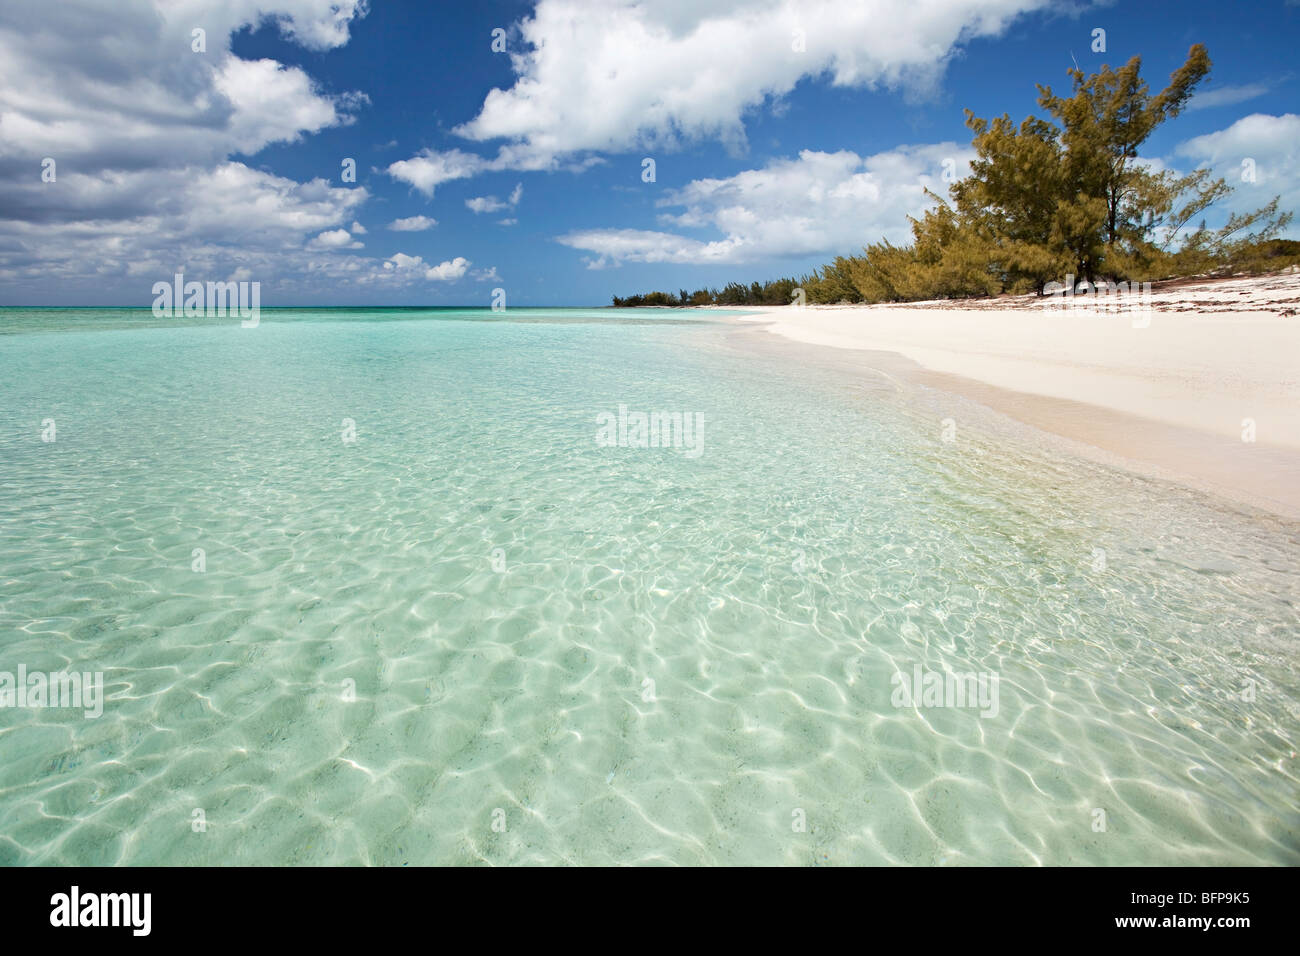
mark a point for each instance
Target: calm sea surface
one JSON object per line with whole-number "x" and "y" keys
{"x": 364, "y": 587}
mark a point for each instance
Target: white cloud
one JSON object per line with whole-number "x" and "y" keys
{"x": 507, "y": 222}
{"x": 817, "y": 204}
{"x": 1265, "y": 146}
{"x": 112, "y": 226}
{"x": 273, "y": 103}
{"x": 142, "y": 128}
{"x": 402, "y": 268}
{"x": 482, "y": 204}
{"x": 683, "y": 69}
{"x": 486, "y": 275}
{"x": 1256, "y": 135}
{"x": 320, "y": 24}
{"x": 430, "y": 168}
{"x": 334, "y": 239}
{"x": 1227, "y": 96}
{"x": 412, "y": 224}
{"x": 448, "y": 271}
{"x": 641, "y": 245}
{"x": 358, "y": 229}
{"x": 401, "y": 262}
{"x": 119, "y": 87}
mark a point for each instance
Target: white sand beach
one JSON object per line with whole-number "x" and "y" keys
{"x": 1174, "y": 386}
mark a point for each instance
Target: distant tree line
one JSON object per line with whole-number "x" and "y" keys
{"x": 776, "y": 292}
{"x": 1046, "y": 199}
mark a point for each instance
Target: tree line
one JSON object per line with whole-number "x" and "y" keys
{"x": 1050, "y": 197}
{"x": 776, "y": 292}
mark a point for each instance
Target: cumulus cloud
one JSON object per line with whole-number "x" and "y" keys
{"x": 1258, "y": 133}
{"x": 401, "y": 262}
{"x": 1259, "y": 156}
{"x": 274, "y": 103}
{"x": 816, "y": 204}
{"x": 684, "y": 69}
{"x": 448, "y": 271}
{"x": 482, "y": 204}
{"x": 334, "y": 239}
{"x": 403, "y": 268}
{"x": 146, "y": 99}
{"x": 644, "y": 245}
{"x": 679, "y": 70}
{"x": 412, "y": 224}
{"x": 430, "y": 168}
{"x": 142, "y": 129}
{"x": 114, "y": 226}
{"x": 317, "y": 24}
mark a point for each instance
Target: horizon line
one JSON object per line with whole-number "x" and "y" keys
{"x": 267, "y": 307}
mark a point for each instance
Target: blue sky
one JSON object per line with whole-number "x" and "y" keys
{"x": 782, "y": 133}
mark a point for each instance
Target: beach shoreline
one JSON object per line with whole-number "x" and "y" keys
{"x": 1201, "y": 388}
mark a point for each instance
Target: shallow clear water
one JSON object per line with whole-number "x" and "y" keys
{"x": 569, "y": 653}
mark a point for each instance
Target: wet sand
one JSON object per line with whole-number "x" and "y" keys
{"x": 1173, "y": 392}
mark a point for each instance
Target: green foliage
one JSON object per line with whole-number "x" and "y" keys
{"x": 1051, "y": 197}
{"x": 1234, "y": 248}
{"x": 1104, "y": 195}
{"x": 649, "y": 298}
{"x": 832, "y": 284}
{"x": 776, "y": 292}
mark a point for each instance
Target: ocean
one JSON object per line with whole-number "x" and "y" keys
{"x": 554, "y": 586}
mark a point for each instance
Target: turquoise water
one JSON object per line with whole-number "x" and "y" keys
{"x": 474, "y": 635}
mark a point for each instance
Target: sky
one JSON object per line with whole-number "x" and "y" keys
{"x": 563, "y": 151}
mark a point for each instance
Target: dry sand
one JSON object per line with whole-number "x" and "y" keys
{"x": 1173, "y": 387}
